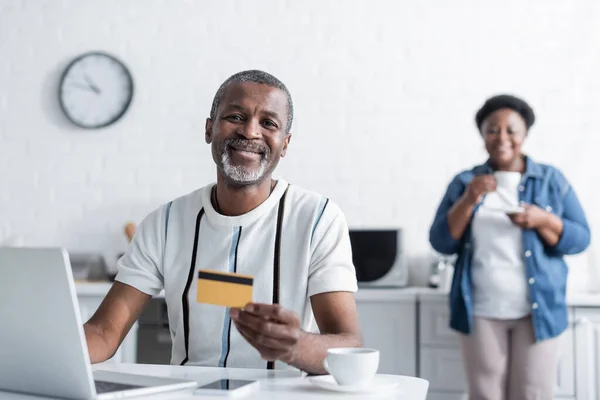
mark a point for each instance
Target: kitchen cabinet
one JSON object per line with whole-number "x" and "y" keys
{"x": 440, "y": 357}
{"x": 387, "y": 321}
{"x": 88, "y": 304}
{"x": 587, "y": 352}
{"x": 565, "y": 373}
{"x": 443, "y": 368}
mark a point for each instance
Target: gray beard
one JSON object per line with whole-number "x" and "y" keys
{"x": 239, "y": 174}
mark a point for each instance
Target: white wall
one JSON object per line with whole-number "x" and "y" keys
{"x": 385, "y": 93}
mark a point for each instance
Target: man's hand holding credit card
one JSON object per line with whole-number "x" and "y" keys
{"x": 224, "y": 288}
{"x": 271, "y": 329}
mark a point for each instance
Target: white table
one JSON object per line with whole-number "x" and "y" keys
{"x": 275, "y": 385}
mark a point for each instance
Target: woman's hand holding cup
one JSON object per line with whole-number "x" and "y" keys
{"x": 479, "y": 186}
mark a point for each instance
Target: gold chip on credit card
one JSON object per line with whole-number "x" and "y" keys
{"x": 224, "y": 289}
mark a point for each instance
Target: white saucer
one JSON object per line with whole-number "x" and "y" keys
{"x": 505, "y": 210}
{"x": 379, "y": 382}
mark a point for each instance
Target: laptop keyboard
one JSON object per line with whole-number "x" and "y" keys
{"x": 109, "y": 387}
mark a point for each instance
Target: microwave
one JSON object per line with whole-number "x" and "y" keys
{"x": 378, "y": 257}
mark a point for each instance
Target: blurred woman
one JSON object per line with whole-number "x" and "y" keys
{"x": 510, "y": 220}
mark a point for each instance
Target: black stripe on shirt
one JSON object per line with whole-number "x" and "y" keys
{"x": 184, "y": 297}
{"x": 277, "y": 257}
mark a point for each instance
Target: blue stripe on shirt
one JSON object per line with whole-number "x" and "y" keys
{"x": 322, "y": 206}
{"x": 167, "y": 219}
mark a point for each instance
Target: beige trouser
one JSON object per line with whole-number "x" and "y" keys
{"x": 503, "y": 362}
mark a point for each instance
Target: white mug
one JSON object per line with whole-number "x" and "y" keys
{"x": 507, "y": 187}
{"x": 507, "y": 179}
{"x": 352, "y": 366}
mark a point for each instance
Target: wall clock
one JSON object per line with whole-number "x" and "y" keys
{"x": 95, "y": 90}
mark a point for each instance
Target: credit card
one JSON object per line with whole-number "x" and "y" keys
{"x": 224, "y": 289}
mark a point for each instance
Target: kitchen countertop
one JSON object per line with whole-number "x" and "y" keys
{"x": 411, "y": 293}
{"x": 583, "y": 299}
{"x": 574, "y": 299}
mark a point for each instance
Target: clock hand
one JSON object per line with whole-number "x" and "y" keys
{"x": 80, "y": 86}
{"x": 91, "y": 84}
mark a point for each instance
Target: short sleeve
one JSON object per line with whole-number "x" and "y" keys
{"x": 331, "y": 268}
{"x": 141, "y": 266}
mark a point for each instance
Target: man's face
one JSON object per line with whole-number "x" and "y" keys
{"x": 248, "y": 135}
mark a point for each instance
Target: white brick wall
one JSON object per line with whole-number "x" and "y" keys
{"x": 385, "y": 93}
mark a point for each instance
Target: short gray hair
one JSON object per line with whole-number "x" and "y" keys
{"x": 254, "y": 76}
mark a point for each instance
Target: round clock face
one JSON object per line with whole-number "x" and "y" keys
{"x": 95, "y": 90}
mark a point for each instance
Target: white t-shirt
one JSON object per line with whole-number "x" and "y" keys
{"x": 498, "y": 268}
{"x": 187, "y": 234}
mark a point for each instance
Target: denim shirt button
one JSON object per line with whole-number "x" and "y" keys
{"x": 548, "y": 208}
{"x": 521, "y": 188}
{"x": 534, "y": 306}
{"x": 531, "y": 281}
{"x": 528, "y": 253}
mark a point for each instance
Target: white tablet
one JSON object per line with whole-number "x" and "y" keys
{"x": 229, "y": 387}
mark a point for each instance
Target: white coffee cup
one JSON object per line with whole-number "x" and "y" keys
{"x": 352, "y": 366}
{"x": 507, "y": 179}
{"x": 507, "y": 187}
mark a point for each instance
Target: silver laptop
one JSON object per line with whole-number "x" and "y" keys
{"x": 42, "y": 344}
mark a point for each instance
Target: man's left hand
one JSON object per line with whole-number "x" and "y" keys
{"x": 532, "y": 217}
{"x": 270, "y": 328}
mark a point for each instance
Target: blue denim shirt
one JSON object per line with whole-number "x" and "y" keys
{"x": 546, "y": 270}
